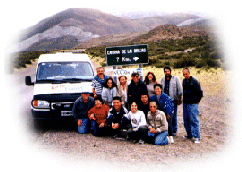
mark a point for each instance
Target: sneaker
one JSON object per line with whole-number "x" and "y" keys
{"x": 196, "y": 140}
{"x": 141, "y": 142}
{"x": 171, "y": 139}
{"x": 118, "y": 137}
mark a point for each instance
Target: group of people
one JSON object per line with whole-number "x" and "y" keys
{"x": 140, "y": 111}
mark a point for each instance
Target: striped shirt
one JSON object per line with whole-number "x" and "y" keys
{"x": 97, "y": 86}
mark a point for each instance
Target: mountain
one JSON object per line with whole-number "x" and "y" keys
{"x": 162, "y": 32}
{"x": 68, "y": 28}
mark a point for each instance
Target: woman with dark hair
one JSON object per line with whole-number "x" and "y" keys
{"x": 138, "y": 131}
{"x": 150, "y": 81}
{"x": 98, "y": 115}
{"x": 109, "y": 91}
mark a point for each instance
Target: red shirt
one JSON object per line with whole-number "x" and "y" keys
{"x": 99, "y": 113}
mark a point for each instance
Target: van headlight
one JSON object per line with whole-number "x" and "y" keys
{"x": 41, "y": 104}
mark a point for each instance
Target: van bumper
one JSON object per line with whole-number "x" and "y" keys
{"x": 48, "y": 114}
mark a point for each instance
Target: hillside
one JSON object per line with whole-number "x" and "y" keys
{"x": 79, "y": 25}
{"x": 162, "y": 32}
{"x": 172, "y": 45}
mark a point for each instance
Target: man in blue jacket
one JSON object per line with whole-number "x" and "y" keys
{"x": 192, "y": 95}
{"x": 80, "y": 111}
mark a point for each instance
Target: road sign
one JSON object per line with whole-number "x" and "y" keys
{"x": 127, "y": 55}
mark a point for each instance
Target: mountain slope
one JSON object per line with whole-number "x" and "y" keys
{"x": 79, "y": 25}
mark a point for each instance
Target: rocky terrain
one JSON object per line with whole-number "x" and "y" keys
{"x": 68, "y": 28}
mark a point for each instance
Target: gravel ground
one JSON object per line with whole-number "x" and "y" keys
{"x": 63, "y": 138}
{"x": 60, "y": 141}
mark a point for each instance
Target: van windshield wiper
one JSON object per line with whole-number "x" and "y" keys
{"x": 76, "y": 79}
{"x": 50, "y": 81}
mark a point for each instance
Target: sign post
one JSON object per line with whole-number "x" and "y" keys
{"x": 127, "y": 55}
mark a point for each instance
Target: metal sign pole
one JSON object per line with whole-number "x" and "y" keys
{"x": 141, "y": 77}
{"x": 115, "y": 77}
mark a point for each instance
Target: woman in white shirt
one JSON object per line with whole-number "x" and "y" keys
{"x": 138, "y": 123}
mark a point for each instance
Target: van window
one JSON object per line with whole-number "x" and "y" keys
{"x": 64, "y": 70}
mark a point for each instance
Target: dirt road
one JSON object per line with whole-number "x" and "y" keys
{"x": 59, "y": 145}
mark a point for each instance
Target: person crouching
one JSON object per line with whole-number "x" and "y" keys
{"x": 157, "y": 126}
{"x": 138, "y": 123}
{"x": 98, "y": 115}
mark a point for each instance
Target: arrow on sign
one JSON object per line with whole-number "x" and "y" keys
{"x": 135, "y": 58}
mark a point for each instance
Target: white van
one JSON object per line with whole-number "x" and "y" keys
{"x": 60, "y": 80}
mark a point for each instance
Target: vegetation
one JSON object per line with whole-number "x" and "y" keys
{"x": 200, "y": 51}
{"x": 20, "y": 59}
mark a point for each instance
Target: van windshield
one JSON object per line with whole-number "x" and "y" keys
{"x": 63, "y": 71}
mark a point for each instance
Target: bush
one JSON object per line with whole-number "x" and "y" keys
{"x": 212, "y": 63}
{"x": 201, "y": 63}
{"x": 185, "y": 61}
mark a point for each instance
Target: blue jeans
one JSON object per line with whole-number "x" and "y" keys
{"x": 174, "y": 120}
{"x": 83, "y": 129}
{"x": 191, "y": 120}
{"x": 159, "y": 138}
{"x": 96, "y": 130}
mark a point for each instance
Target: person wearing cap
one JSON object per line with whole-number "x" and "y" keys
{"x": 98, "y": 82}
{"x": 80, "y": 111}
{"x": 135, "y": 88}
{"x": 98, "y": 115}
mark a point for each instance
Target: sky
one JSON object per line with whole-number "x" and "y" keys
{"x": 16, "y": 15}
{"x": 26, "y": 13}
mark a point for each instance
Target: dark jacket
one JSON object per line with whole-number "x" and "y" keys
{"x": 80, "y": 109}
{"x": 192, "y": 92}
{"x": 144, "y": 108}
{"x": 114, "y": 117}
{"x": 135, "y": 91}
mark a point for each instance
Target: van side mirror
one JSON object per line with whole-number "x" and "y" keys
{"x": 28, "y": 81}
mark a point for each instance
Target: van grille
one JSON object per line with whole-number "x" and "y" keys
{"x": 62, "y": 106}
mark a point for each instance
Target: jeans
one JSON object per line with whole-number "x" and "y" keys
{"x": 174, "y": 120}
{"x": 158, "y": 138}
{"x": 170, "y": 126}
{"x": 191, "y": 120}
{"x": 96, "y": 130}
{"x": 83, "y": 129}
